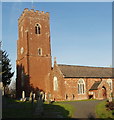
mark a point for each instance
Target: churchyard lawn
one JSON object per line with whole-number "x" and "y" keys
{"x": 17, "y": 109}
{"x": 102, "y": 111}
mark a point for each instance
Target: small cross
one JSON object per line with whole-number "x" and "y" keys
{"x": 54, "y": 59}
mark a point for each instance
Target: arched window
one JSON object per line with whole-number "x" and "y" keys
{"x": 81, "y": 86}
{"x": 66, "y": 96}
{"x": 22, "y": 31}
{"x": 73, "y": 96}
{"x": 55, "y": 84}
{"x": 109, "y": 81}
{"x": 37, "y": 29}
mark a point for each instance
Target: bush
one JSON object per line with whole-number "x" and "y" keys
{"x": 110, "y": 105}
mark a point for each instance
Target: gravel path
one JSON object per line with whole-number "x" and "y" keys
{"x": 84, "y": 109}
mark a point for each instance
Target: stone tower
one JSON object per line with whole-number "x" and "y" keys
{"x": 33, "y": 52}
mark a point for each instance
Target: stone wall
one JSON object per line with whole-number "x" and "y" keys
{"x": 36, "y": 67}
{"x": 58, "y": 94}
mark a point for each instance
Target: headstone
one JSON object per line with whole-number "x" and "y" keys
{"x": 38, "y": 95}
{"x": 42, "y": 96}
{"x": 23, "y": 96}
{"x": 110, "y": 99}
{"x": 34, "y": 96}
{"x": 39, "y": 108}
{"x": 45, "y": 96}
{"x": 49, "y": 98}
{"x": 30, "y": 98}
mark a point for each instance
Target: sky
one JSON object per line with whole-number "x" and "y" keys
{"x": 81, "y": 32}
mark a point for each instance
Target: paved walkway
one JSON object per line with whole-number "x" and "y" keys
{"x": 84, "y": 109}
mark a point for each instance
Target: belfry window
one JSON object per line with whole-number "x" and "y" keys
{"x": 81, "y": 86}
{"x": 37, "y": 29}
{"x": 39, "y": 51}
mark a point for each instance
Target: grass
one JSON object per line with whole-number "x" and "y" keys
{"x": 64, "y": 110}
{"x": 17, "y": 109}
{"x": 101, "y": 111}
{"x": 57, "y": 110}
{"x": 76, "y": 100}
{"x": 68, "y": 109}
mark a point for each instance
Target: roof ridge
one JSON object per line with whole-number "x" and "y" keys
{"x": 83, "y": 66}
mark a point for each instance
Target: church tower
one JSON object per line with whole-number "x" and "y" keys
{"x": 33, "y": 52}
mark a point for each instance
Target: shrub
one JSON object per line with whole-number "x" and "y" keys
{"x": 110, "y": 105}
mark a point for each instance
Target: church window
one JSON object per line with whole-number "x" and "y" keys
{"x": 37, "y": 29}
{"x": 109, "y": 81}
{"x": 39, "y": 51}
{"x": 81, "y": 86}
{"x": 73, "y": 96}
{"x": 22, "y": 31}
{"x": 22, "y": 50}
{"x": 66, "y": 96}
{"x": 55, "y": 83}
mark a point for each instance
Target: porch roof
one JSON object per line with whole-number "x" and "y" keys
{"x": 95, "y": 85}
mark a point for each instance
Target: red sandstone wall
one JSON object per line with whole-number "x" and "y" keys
{"x": 60, "y": 93}
{"x": 71, "y": 89}
{"x": 38, "y": 71}
{"x": 36, "y": 67}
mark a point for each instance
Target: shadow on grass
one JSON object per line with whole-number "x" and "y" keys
{"x": 113, "y": 112}
{"x": 54, "y": 111}
{"x": 91, "y": 117}
{"x": 14, "y": 109}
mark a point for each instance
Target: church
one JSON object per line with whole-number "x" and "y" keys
{"x": 60, "y": 82}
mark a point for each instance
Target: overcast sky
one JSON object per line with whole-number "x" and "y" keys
{"x": 81, "y": 33}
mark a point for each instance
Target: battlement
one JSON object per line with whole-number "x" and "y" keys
{"x": 32, "y": 12}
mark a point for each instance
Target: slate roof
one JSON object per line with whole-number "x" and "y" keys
{"x": 72, "y": 71}
{"x": 95, "y": 85}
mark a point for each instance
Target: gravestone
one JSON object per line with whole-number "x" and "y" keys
{"x": 39, "y": 108}
{"x": 49, "y": 98}
{"x": 23, "y": 96}
{"x": 110, "y": 98}
{"x": 30, "y": 97}
{"x": 34, "y": 96}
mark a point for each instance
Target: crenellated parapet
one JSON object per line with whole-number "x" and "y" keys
{"x": 34, "y": 14}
